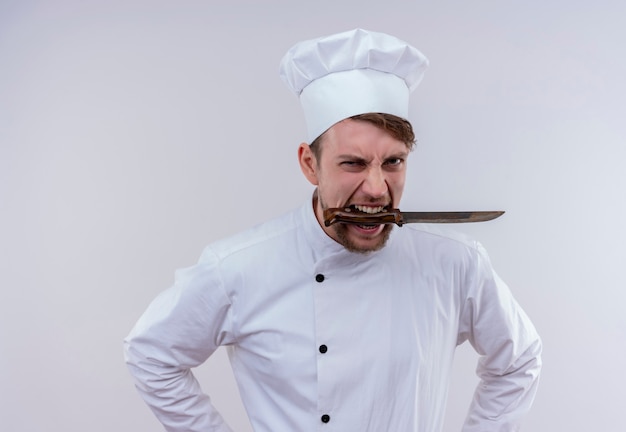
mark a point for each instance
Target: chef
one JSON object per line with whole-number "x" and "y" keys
{"x": 347, "y": 327}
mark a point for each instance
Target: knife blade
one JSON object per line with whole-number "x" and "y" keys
{"x": 351, "y": 215}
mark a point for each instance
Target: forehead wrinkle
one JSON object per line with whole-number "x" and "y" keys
{"x": 351, "y": 140}
{"x": 366, "y": 151}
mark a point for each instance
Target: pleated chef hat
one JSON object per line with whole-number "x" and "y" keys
{"x": 350, "y": 73}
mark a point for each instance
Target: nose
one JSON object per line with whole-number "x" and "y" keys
{"x": 375, "y": 183}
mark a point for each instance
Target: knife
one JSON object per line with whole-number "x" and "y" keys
{"x": 351, "y": 215}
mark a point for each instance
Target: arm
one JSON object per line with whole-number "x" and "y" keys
{"x": 180, "y": 329}
{"x": 510, "y": 350}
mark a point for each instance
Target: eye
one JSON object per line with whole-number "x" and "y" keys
{"x": 394, "y": 162}
{"x": 352, "y": 164}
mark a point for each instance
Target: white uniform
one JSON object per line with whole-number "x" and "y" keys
{"x": 322, "y": 339}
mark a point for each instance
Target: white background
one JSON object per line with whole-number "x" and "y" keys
{"x": 133, "y": 133}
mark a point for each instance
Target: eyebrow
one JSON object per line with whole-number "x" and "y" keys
{"x": 352, "y": 158}
{"x": 401, "y": 155}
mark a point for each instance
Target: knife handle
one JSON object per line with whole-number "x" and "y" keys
{"x": 352, "y": 216}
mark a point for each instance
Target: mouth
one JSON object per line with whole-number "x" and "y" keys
{"x": 370, "y": 210}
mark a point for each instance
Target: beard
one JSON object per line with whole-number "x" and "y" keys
{"x": 343, "y": 237}
{"x": 341, "y": 230}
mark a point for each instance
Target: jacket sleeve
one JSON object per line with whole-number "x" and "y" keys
{"x": 509, "y": 349}
{"x": 180, "y": 329}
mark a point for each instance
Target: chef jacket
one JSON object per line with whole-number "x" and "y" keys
{"x": 323, "y": 339}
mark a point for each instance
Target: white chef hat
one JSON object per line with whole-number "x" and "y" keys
{"x": 350, "y": 73}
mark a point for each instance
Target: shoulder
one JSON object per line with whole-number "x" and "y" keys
{"x": 276, "y": 231}
{"x": 443, "y": 236}
{"x": 437, "y": 246}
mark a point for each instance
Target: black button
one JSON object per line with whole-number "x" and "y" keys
{"x": 323, "y": 349}
{"x": 325, "y": 418}
{"x": 319, "y": 277}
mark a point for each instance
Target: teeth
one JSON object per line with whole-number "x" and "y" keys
{"x": 370, "y": 210}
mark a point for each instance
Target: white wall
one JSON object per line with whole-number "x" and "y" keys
{"x": 132, "y": 133}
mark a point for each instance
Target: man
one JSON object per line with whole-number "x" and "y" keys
{"x": 345, "y": 327}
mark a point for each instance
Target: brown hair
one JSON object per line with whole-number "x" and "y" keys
{"x": 395, "y": 126}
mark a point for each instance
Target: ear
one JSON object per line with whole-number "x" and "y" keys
{"x": 308, "y": 163}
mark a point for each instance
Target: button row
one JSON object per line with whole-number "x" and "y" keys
{"x": 323, "y": 348}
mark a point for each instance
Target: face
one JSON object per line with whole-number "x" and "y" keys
{"x": 360, "y": 165}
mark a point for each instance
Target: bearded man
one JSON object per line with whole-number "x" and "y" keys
{"x": 346, "y": 327}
